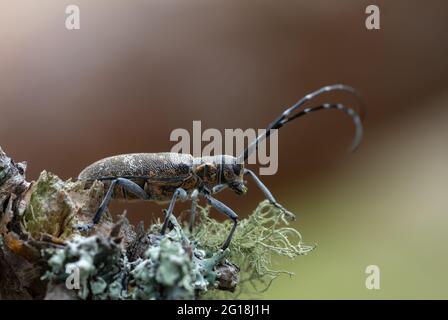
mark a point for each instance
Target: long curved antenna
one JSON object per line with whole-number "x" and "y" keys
{"x": 288, "y": 116}
{"x": 349, "y": 111}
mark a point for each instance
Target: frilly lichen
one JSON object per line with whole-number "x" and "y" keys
{"x": 168, "y": 270}
{"x": 261, "y": 236}
{"x": 97, "y": 263}
{"x": 180, "y": 265}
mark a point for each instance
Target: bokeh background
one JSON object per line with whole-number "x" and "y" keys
{"x": 138, "y": 69}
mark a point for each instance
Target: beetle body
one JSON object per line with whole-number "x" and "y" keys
{"x": 161, "y": 174}
{"x": 168, "y": 177}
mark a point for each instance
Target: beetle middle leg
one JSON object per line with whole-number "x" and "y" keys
{"x": 127, "y": 184}
{"x": 268, "y": 194}
{"x": 194, "y": 204}
{"x": 178, "y": 193}
{"x": 195, "y": 200}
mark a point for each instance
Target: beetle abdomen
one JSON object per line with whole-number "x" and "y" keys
{"x": 159, "y": 174}
{"x": 154, "y": 166}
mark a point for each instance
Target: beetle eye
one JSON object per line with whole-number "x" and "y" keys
{"x": 237, "y": 169}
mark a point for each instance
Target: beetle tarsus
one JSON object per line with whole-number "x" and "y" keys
{"x": 84, "y": 227}
{"x": 287, "y": 213}
{"x": 269, "y": 195}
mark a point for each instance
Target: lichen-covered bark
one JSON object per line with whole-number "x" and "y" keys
{"x": 43, "y": 255}
{"x": 39, "y": 245}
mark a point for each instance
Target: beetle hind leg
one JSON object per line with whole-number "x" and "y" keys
{"x": 126, "y": 184}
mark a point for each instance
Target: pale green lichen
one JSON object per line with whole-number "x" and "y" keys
{"x": 97, "y": 263}
{"x": 181, "y": 265}
{"x": 261, "y": 236}
{"x": 166, "y": 271}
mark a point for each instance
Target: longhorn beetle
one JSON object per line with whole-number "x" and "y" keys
{"x": 167, "y": 177}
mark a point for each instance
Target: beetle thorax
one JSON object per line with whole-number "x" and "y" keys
{"x": 218, "y": 170}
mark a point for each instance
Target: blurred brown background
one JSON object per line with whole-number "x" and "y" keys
{"x": 138, "y": 69}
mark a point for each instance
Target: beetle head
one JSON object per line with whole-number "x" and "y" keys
{"x": 224, "y": 169}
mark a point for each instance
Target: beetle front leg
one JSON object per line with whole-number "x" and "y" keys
{"x": 126, "y": 184}
{"x": 268, "y": 194}
{"x": 219, "y": 188}
{"x": 178, "y": 193}
{"x": 221, "y": 207}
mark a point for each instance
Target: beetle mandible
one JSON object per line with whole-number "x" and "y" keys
{"x": 168, "y": 177}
